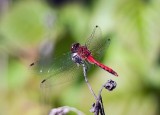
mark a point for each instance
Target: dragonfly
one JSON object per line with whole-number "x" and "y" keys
{"x": 69, "y": 65}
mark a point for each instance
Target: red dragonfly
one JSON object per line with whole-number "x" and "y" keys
{"x": 66, "y": 67}
{"x": 81, "y": 53}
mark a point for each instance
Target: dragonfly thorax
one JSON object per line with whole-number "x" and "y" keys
{"x": 82, "y": 52}
{"x": 76, "y": 58}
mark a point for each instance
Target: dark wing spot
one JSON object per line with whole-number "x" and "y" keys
{"x": 31, "y": 64}
{"x": 43, "y": 81}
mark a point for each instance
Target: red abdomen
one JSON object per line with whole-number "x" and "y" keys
{"x": 93, "y": 61}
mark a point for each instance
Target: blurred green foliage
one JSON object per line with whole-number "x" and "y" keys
{"x": 31, "y": 29}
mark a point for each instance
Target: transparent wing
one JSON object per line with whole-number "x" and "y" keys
{"x": 57, "y": 74}
{"x": 57, "y": 71}
{"x": 95, "y": 36}
{"x": 98, "y": 44}
{"x": 99, "y": 52}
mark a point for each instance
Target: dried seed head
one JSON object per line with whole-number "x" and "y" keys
{"x": 110, "y": 85}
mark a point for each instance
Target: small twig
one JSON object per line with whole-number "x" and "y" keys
{"x": 86, "y": 80}
{"x": 102, "y": 107}
{"x": 64, "y": 110}
{"x": 98, "y": 106}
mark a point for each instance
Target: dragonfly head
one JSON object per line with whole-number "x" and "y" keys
{"x": 75, "y": 47}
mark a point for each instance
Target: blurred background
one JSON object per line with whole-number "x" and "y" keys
{"x": 31, "y": 29}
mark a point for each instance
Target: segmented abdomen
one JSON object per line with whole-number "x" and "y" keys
{"x": 93, "y": 61}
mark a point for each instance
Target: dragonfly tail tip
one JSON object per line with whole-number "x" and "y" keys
{"x": 116, "y": 74}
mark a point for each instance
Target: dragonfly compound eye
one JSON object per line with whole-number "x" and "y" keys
{"x": 75, "y": 47}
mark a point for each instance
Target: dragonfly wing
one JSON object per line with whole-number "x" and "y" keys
{"x": 94, "y": 38}
{"x": 58, "y": 71}
{"x": 99, "y": 51}
{"x": 97, "y": 44}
